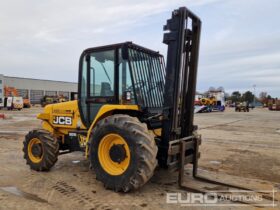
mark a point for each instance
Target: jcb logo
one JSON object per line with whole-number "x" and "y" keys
{"x": 61, "y": 120}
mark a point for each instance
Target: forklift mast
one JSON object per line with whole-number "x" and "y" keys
{"x": 182, "y": 38}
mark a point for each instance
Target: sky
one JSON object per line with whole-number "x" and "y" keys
{"x": 240, "y": 41}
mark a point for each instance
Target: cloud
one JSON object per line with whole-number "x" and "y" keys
{"x": 239, "y": 47}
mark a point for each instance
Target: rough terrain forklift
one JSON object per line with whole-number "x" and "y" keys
{"x": 244, "y": 106}
{"x": 133, "y": 113}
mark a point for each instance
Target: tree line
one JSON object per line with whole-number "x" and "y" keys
{"x": 248, "y": 96}
{"x": 236, "y": 96}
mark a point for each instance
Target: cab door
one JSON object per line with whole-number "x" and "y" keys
{"x": 97, "y": 82}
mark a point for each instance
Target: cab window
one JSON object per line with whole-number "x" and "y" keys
{"x": 102, "y": 73}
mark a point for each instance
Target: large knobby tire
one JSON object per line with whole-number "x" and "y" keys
{"x": 40, "y": 150}
{"x": 122, "y": 153}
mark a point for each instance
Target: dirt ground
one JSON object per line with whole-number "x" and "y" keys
{"x": 243, "y": 145}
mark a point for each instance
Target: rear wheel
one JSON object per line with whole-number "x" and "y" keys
{"x": 40, "y": 150}
{"x": 122, "y": 152}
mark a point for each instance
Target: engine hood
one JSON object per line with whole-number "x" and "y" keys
{"x": 62, "y": 110}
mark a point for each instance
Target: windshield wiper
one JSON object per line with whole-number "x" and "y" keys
{"x": 106, "y": 73}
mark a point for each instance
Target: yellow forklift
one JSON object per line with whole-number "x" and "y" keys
{"x": 133, "y": 113}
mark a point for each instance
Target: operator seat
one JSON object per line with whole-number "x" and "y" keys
{"x": 106, "y": 89}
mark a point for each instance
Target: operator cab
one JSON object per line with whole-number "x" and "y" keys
{"x": 123, "y": 73}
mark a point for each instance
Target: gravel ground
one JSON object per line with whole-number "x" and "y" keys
{"x": 237, "y": 147}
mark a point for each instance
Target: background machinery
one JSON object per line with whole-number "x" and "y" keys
{"x": 52, "y": 100}
{"x": 218, "y": 98}
{"x": 214, "y": 102}
{"x": 17, "y": 101}
{"x": 243, "y": 106}
{"x": 11, "y": 99}
{"x": 274, "y": 105}
{"x": 133, "y": 112}
{"x": 208, "y": 101}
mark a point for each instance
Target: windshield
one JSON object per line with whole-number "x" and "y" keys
{"x": 148, "y": 73}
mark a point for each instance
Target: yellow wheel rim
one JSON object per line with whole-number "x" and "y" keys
{"x": 107, "y": 146}
{"x": 35, "y": 158}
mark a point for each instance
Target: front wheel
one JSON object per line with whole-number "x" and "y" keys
{"x": 122, "y": 153}
{"x": 40, "y": 150}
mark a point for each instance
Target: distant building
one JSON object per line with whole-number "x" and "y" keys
{"x": 35, "y": 89}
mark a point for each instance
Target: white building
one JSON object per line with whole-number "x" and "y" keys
{"x": 35, "y": 89}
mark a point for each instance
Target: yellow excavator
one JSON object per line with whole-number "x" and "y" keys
{"x": 133, "y": 113}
